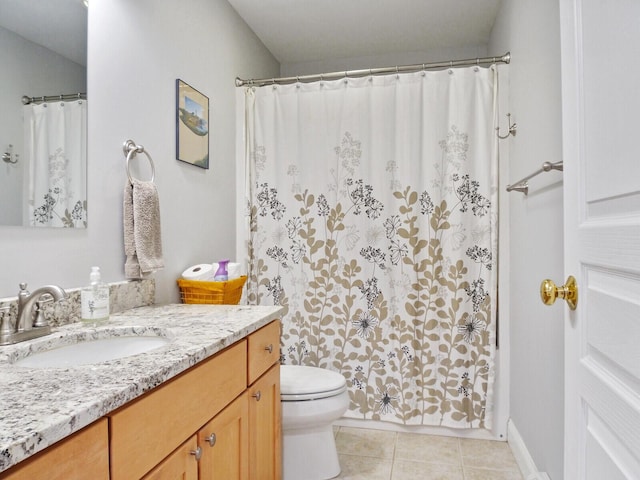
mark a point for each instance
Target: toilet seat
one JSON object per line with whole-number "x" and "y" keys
{"x": 299, "y": 383}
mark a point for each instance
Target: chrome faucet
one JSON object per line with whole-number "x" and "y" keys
{"x": 25, "y": 328}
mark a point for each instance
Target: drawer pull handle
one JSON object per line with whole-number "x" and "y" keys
{"x": 211, "y": 439}
{"x": 197, "y": 453}
{"x": 269, "y": 348}
{"x": 257, "y": 396}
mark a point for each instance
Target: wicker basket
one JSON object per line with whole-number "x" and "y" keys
{"x": 221, "y": 293}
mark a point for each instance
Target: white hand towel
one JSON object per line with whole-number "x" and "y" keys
{"x": 142, "y": 235}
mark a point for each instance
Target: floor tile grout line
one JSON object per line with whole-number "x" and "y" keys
{"x": 393, "y": 456}
{"x": 460, "y": 460}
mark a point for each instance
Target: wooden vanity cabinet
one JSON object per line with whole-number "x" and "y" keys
{"x": 85, "y": 454}
{"x": 228, "y": 407}
{"x": 167, "y": 432}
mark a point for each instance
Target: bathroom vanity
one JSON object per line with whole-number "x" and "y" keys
{"x": 204, "y": 406}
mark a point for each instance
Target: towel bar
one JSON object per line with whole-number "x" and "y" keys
{"x": 523, "y": 186}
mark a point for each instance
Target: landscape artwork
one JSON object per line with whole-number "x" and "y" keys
{"x": 192, "y": 125}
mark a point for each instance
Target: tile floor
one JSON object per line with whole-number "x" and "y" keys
{"x": 380, "y": 455}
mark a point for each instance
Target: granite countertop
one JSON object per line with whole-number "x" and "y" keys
{"x": 40, "y": 406}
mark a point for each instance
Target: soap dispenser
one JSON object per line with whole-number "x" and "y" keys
{"x": 95, "y": 298}
{"x": 221, "y": 274}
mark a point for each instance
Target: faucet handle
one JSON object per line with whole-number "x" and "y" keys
{"x": 40, "y": 320}
{"x": 5, "y": 321}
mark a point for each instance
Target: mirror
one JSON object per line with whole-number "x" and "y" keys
{"x": 43, "y": 52}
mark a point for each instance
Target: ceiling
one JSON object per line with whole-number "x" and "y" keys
{"x": 293, "y": 30}
{"x": 311, "y": 30}
{"x": 59, "y": 25}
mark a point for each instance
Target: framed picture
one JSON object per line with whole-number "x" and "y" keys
{"x": 192, "y": 125}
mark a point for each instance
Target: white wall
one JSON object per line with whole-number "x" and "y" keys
{"x": 530, "y": 29}
{"x": 32, "y": 70}
{"x": 137, "y": 49}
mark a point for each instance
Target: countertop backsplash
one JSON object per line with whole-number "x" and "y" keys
{"x": 122, "y": 296}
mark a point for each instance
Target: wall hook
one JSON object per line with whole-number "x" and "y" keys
{"x": 512, "y": 128}
{"x": 9, "y": 157}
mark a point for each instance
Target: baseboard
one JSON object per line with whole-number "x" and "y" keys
{"x": 474, "y": 433}
{"x": 522, "y": 455}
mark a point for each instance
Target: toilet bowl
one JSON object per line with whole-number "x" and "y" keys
{"x": 312, "y": 399}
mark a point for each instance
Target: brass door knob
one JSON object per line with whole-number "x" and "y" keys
{"x": 549, "y": 292}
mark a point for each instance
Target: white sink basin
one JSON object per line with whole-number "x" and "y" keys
{"x": 92, "y": 351}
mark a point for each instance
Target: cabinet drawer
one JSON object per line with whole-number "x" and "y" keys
{"x": 263, "y": 350}
{"x": 84, "y": 454}
{"x": 148, "y": 429}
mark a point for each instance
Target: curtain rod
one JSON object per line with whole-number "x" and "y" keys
{"x": 26, "y": 100}
{"x": 506, "y": 58}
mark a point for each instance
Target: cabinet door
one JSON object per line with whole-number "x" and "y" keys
{"x": 225, "y": 443}
{"x": 265, "y": 427}
{"x": 182, "y": 464}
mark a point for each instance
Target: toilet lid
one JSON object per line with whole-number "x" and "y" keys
{"x": 297, "y": 381}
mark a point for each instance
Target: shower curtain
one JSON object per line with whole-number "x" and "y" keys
{"x": 370, "y": 209}
{"x": 55, "y": 146}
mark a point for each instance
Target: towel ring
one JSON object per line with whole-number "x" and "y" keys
{"x": 131, "y": 149}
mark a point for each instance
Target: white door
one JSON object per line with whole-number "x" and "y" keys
{"x": 601, "y": 135}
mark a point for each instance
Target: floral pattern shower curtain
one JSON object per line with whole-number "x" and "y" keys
{"x": 371, "y": 216}
{"x": 56, "y": 150}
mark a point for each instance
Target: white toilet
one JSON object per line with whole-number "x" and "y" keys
{"x": 312, "y": 399}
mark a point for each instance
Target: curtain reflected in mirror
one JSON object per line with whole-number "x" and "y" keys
{"x": 43, "y": 53}
{"x": 56, "y": 163}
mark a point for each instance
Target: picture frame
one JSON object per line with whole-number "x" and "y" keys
{"x": 192, "y": 125}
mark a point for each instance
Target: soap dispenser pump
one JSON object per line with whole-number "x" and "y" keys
{"x": 95, "y": 298}
{"x": 221, "y": 274}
